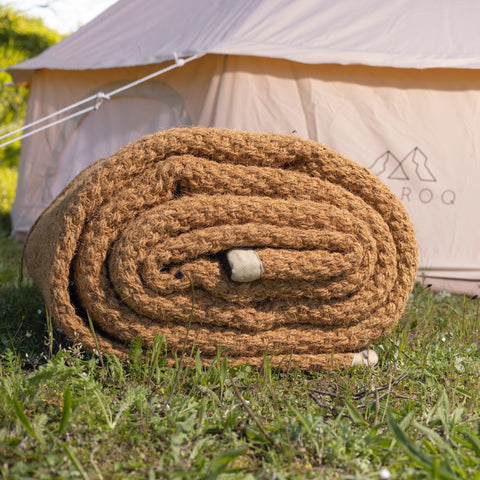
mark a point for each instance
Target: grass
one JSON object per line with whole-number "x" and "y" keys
{"x": 64, "y": 414}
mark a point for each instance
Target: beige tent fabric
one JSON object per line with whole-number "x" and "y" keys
{"x": 397, "y": 33}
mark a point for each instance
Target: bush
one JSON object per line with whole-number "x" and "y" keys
{"x": 21, "y": 37}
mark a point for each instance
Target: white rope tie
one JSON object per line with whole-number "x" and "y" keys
{"x": 98, "y": 98}
{"x": 245, "y": 265}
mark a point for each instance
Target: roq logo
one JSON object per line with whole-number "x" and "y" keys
{"x": 414, "y": 163}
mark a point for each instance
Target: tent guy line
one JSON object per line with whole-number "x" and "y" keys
{"x": 100, "y": 97}
{"x": 54, "y": 114}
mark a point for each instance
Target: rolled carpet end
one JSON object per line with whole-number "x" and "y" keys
{"x": 138, "y": 241}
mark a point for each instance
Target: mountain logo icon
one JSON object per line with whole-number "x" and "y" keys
{"x": 414, "y": 163}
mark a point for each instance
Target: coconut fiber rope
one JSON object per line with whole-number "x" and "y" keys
{"x": 138, "y": 238}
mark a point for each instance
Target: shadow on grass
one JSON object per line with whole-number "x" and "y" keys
{"x": 23, "y": 318}
{"x": 23, "y": 323}
{"x": 5, "y": 223}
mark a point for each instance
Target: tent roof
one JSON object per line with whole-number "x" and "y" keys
{"x": 397, "y": 33}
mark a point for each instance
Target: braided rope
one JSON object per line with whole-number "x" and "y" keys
{"x": 127, "y": 239}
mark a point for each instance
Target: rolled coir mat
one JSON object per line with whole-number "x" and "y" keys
{"x": 247, "y": 243}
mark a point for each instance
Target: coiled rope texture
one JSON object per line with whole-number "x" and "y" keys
{"x": 130, "y": 239}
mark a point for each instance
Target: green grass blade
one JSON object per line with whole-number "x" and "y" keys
{"x": 412, "y": 450}
{"x": 103, "y": 402}
{"x": 471, "y": 441}
{"x": 67, "y": 408}
{"x": 75, "y": 462}
{"x": 151, "y": 474}
{"x": 225, "y": 458}
{"x": 432, "y": 435}
{"x": 221, "y": 463}
{"x": 23, "y": 419}
{"x": 407, "y": 420}
{"x": 431, "y": 465}
{"x": 301, "y": 419}
{"x": 354, "y": 414}
{"x": 198, "y": 363}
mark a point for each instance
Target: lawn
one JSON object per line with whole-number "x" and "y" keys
{"x": 66, "y": 414}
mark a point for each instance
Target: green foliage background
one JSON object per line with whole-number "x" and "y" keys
{"x": 21, "y": 38}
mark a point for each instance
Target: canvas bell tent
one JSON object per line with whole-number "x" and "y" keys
{"x": 392, "y": 85}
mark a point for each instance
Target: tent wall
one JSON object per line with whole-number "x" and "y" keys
{"x": 416, "y": 129}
